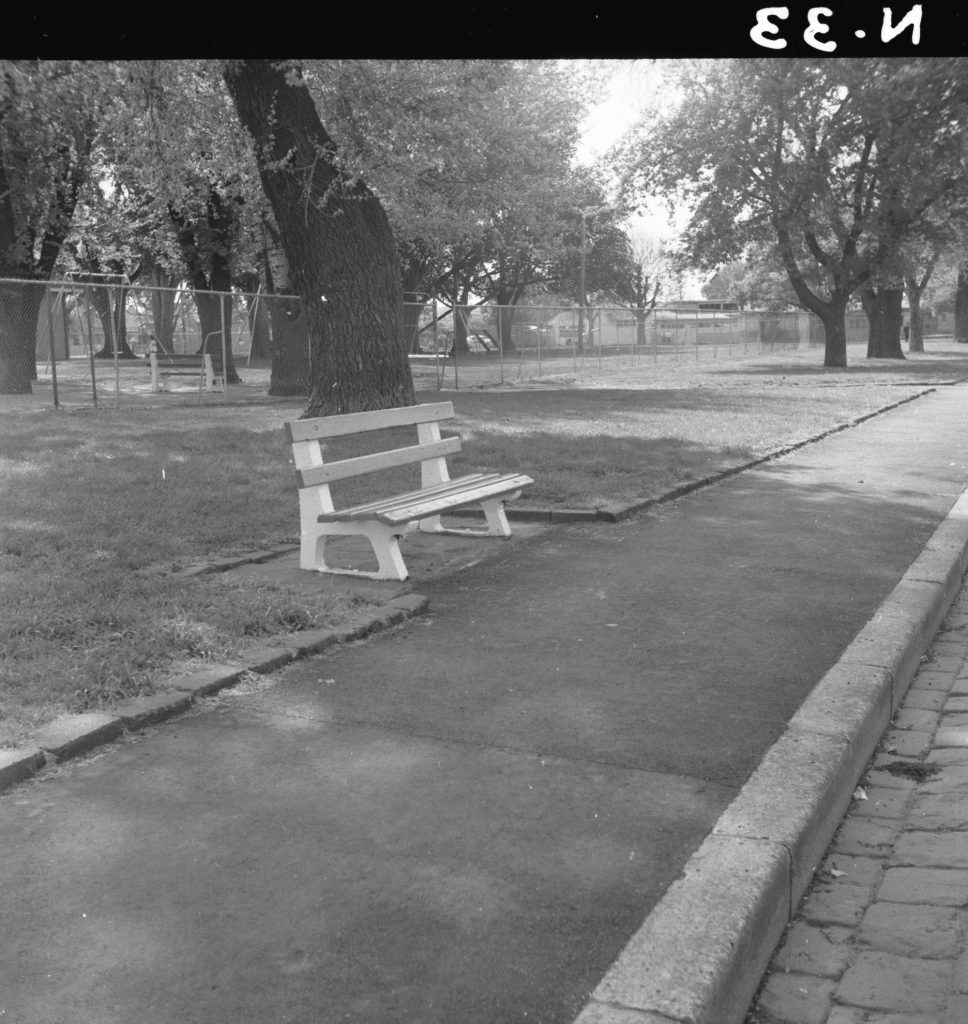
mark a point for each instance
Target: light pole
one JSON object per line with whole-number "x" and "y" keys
{"x": 585, "y": 214}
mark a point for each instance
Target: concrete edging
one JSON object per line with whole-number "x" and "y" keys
{"x": 700, "y": 955}
{"x": 71, "y": 735}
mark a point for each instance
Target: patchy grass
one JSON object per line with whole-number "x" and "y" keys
{"x": 99, "y": 507}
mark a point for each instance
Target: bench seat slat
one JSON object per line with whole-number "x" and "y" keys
{"x": 330, "y": 471}
{"x": 431, "y": 501}
{"x": 381, "y": 504}
{"x": 458, "y": 499}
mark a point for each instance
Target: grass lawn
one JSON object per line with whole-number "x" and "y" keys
{"x": 99, "y": 507}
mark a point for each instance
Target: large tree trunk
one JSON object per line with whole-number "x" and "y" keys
{"x": 256, "y": 317}
{"x": 883, "y": 309}
{"x": 162, "y": 298}
{"x": 210, "y": 276}
{"x": 338, "y": 242}
{"x": 505, "y": 326}
{"x": 291, "y": 369}
{"x": 961, "y": 305}
{"x": 461, "y": 316}
{"x": 832, "y": 312}
{"x": 110, "y": 305}
{"x": 19, "y": 307}
{"x": 214, "y": 318}
{"x": 289, "y": 341}
{"x": 833, "y": 316}
{"x": 641, "y": 319}
{"x": 20, "y": 259}
{"x": 916, "y": 324}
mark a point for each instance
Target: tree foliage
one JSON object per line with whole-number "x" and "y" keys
{"x": 50, "y": 113}
{"x": 833, "y": 163}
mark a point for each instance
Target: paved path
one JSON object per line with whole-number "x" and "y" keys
{"x": 467, "y": 819}
{"x": 881, "y": 937}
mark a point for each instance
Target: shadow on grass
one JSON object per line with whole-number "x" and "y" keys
{"x": 939, "y": 367}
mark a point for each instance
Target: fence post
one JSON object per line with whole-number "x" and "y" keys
{"x": 438, "y": 370}
{"x": 454, "y": 349}
{"x": 90, "y": 335}
{"x": 53, "y": 348}
{"x": 500, "y": 343}
{"x": 225, "y": 372}
{"x": 153, "y": 359}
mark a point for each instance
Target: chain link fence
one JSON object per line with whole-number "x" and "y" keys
{"x": 486, "y": 345}
{"x": 90, "y": 337}
{"x": 93, "y": 334}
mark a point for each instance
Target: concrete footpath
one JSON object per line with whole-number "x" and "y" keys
{"x": 590, "y": 784}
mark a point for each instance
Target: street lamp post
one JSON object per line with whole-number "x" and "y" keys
{"x": 581, "y": 287}
{"x": 585, "y": 214}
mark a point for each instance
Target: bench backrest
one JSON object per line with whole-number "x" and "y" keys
{"x": 431, "y": 450}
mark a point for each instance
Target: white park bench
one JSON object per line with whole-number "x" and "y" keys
{"x": 385, "y": 520}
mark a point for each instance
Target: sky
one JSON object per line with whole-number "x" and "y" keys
{"x": 636, "y": 86}
{"x": 631, "y": 91}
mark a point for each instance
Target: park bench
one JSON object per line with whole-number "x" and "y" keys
{"x": 168, "y": 364}
{"x": 385, "y": 520}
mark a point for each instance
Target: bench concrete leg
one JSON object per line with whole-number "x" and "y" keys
{"x": 384, "y": 540}
{"x": 494, "y": 516}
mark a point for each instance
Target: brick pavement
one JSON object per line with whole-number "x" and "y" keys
{"x": 881, "y": 937}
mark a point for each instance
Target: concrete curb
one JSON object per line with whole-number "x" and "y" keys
{"x": 700, "y": 955}
{"x": 612, "y": 512}
{"x": 71, "y": 735}
{"x": 615, "y": 512}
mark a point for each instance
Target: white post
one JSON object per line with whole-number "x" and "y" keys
{"x": 153, "y": 357}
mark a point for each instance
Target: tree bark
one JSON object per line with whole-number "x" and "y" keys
{"x": 337, "y": 240}
{"x": 20, "y": 303}
{"x": 461, "y": 315}
{"x": 162, "y": 307}
{"x": 19, "y": 307}
{"x": 915, "y": 289}
{"x": 883, "y": 309}
{"x": 834, "y": 323}
{"x": 257, "y": 317}
{"x": 832, "y": 312}
{"x": 505, "y": 326}
{"x": 211, "y": 278}
{"x": 109, "y": 303}
{"x": 961, "y": 305}
{"x": 291, "y": 368}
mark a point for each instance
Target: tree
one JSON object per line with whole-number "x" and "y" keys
{"x": 473, "y": 162}
{"x": 829, "y": 161}
{"x": 49, "y": 117}
{"x": 207, "y": 244}
{"x": 337, "y": 239}
{"x": 961, "y": 305}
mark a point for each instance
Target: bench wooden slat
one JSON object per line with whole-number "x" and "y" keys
{"x": 356, "y": 422}
{"x": 388, "y": 506}
{"x": 458, "y": 498}
{"x": 328, "y": 472}
{"x": 382, "y": 504}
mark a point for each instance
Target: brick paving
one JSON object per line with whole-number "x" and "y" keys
{"x": 881, "y": 937}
